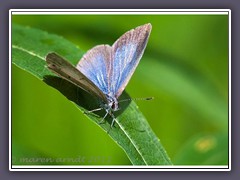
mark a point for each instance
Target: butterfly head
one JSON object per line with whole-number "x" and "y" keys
{"x": 112, "y": 103}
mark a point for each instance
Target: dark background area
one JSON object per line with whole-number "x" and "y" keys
{"x": 232, "y": 4}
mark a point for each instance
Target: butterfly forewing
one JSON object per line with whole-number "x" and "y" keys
{"x": 64, "y": 69}
{"x": 127, "y": 52}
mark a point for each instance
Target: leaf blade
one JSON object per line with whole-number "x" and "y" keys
{"x": 131, "y": 132}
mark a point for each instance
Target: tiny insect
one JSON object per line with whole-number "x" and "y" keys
{"x": 104, "y": 71}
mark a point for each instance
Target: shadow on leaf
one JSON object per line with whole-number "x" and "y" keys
{"x": 82, "y": 98}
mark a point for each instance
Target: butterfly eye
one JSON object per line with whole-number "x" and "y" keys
{"x": 115, "y": 106}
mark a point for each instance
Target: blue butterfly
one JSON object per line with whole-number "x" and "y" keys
{"x": 104, "y": 71}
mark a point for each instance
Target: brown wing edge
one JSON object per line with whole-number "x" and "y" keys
{"x": 66, "y": 70}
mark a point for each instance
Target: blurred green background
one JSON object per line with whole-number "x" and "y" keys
{"x": 184, "y": 67}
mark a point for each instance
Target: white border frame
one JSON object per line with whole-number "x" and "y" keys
{"x": 122, "y": 12}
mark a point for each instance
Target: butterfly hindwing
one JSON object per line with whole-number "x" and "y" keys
{"x": 95, "y": 66}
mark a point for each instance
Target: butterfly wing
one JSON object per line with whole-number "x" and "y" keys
{"x": 95, "y": 65}
{"x": 64, "y": 69}
{"x": 126, "y": 54}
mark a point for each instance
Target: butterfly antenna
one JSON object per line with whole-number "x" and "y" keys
{"x": 136, "y": 99}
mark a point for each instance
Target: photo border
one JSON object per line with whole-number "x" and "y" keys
{"x": 121, "y": 168}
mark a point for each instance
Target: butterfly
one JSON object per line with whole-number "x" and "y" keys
{"x": 104, "y": 71}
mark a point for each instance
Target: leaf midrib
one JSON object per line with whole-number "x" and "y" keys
{"x": 27, "y": 51}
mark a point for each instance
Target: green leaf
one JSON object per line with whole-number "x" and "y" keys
{"x": 131, "y": 131}
{"x": 204, "y": 149}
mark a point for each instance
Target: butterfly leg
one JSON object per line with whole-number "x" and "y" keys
{"x": 113, "y": 119}
{"x": 112, "y": 123}
{"x": 103, "y": 117}
{"x": 87, "y": 112}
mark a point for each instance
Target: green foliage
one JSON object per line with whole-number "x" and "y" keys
{"x": 131, "y": 132}
{"x": 185, "y": 68}
{"x": 204, "y": 148}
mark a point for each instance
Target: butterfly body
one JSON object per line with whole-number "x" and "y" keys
{"x": 104, "y": 70}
